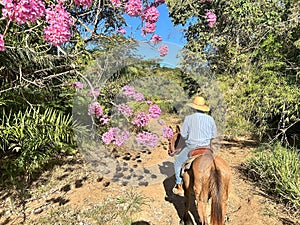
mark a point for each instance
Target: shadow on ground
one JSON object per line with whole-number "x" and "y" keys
{"x": 178, "y": 202}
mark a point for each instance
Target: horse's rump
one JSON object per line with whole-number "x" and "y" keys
{"x": 211, "y": 180}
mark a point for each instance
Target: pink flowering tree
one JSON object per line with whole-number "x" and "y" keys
{"x": 129, "y": 120}
{"x": 45, "y": 45}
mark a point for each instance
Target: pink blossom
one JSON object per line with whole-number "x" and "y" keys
{"x": 120, "y": 139}
{"x": 95, "y": 109}
{"x": 163, "y": 50}
{"x": 84, "y": 3}
{"x": 2, "y": 48}
{"x": 141, "y": 119}
{"x": 95, "y": 92}
{"x": 23, "y": 10}
{"x": 121, "y": 30}
{"x": 109, "y": 136}
{"x": 128, "y": 91}
{"x": 60, "y": 22}
{"x": 77, "y": 84}
{"x": 104, "y": 119}
{"x": 156, "y": 39}
{"x": 134, "y": 7}
{"x": 147, "y": 139}
{"x": 211, "y": 18}
{"x": 158, "y": 2}
{"x": 115, "y": 2}
{"x": 139, "y": 97}
{"x": 149, "y": 28}
{"x": 154, "y": 111}
{"x": 57, "y": 35}
{"x": 115, "y": 136}
{"x": 167, "y": 132}
{"x": 125, "y": 110}
{"x": 151, "y": 14}
{"x": 149, "y": 102}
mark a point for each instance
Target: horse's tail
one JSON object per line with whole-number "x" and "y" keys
{"x": 216, "y": 190}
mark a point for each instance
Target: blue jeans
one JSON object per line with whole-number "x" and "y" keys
{"x": 180, "y": 159}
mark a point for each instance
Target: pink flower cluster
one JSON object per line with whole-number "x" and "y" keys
{"x": 211, "y": 18}
{"x": 23, "y": 10}
{"x": 84, "y": 3}
{"x": 2, "y": 48}
{"x": 149, "y": 28}
{"x": 95, "y": 92}
{"x": 134, "y": 7}
{"x": 104, "y": 119}
{"x": 141, "y": 119}
{"x": 116, "y": 2}
{"x": 121, "y": 30}
{"x": 150, "y": 14}
{"x": 115, "y": 136}
{"x": 158, "y": 2}
{"x": 125, "y": 110}
{"x": 147, "y": 139}
{"x": 156, "y": 39}
{"x": 77, "y": 85}
{"x": 130, "y": 92}
{"x": 163, "y": 50}
{"x": 139, "y": 97}
{"x": 167, "y": 132}
{"x": 60, "y": 22}
{"x": 95, "y": 109}
{"x": 154, "y": 111}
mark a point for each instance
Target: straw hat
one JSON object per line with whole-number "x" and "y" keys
{"x": 199, "y": 104}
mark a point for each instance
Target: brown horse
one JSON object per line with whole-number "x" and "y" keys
{"x": 207, "y": 178}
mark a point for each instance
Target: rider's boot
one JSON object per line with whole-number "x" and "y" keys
{"x": 178, "y": 190}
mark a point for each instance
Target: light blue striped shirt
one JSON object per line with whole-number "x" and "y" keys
{"x": 198, "y": 129}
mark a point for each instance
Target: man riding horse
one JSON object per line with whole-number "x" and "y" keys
{"x": 198, "y": 131}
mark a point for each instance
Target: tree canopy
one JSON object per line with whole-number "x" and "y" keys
{"x": 253, "y": 48}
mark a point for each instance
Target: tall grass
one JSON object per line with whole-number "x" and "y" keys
{"x": 277, "y": 170}
{"x": 28, "y": 139}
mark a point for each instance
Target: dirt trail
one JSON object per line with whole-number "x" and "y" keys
{"x": 76, "y": 186}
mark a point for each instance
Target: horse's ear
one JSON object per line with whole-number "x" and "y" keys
{"x": 177, "y": 129}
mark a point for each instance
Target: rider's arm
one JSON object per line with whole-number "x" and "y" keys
{"x": 185, "y": 129}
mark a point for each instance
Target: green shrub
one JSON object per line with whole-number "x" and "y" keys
{"x": 28, "y": 139}
{"x": 277, "y": 170}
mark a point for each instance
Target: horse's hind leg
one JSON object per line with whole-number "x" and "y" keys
{"x": 225, "y": 196}
{"x": 187, "y": 198}
{"x": 201, "y": 195}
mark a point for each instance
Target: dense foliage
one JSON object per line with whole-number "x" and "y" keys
{"x": 29, "y": 139}
{"x": 36, "y": 95}
{"x": 253, "y": 49}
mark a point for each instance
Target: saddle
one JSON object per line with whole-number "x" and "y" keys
{"x": 193, "y": 154}
{"x": 200, "y": 151}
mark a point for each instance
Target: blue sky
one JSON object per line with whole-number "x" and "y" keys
{"x": 171, "y": 35}
{"x": 164, "y": 27}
